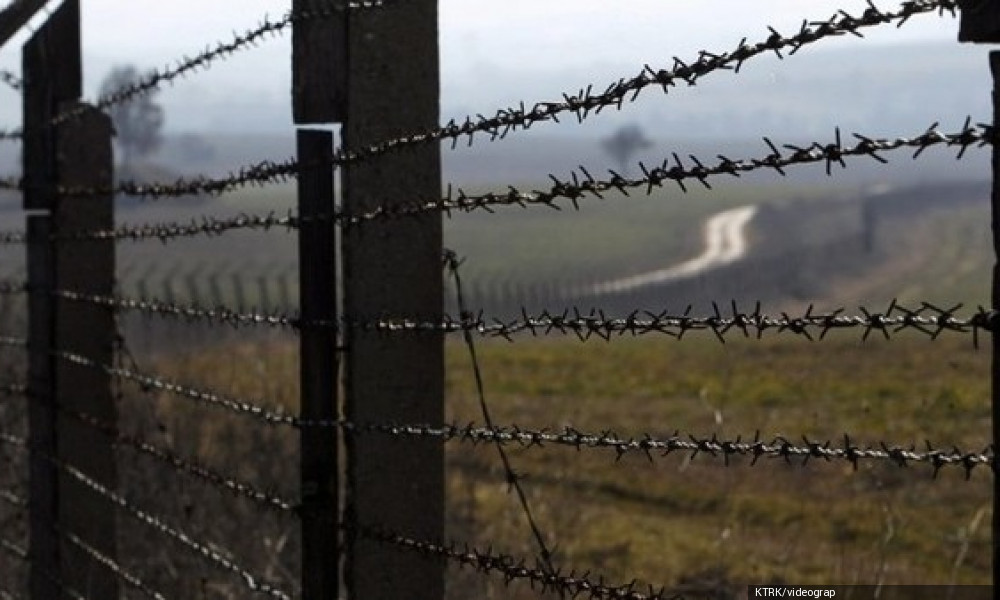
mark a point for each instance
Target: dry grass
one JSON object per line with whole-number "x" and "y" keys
{"x": 667, "y": 521}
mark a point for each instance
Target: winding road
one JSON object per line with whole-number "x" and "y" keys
{"x": 725, "y": 243}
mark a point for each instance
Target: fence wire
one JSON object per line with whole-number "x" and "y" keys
{"x": 208, "y": 552}
{"x": 577, "y": 186}
{"x": 648, "y": 444}
{"x": 511, "y": 568}
{"x": 583, "y": 104}
{"x": 113, "y": 567}
{"x": 927, "y": 319}
{"x": 202, "y": 60}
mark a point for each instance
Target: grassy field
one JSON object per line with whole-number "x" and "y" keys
{"x": 672, "y": 520}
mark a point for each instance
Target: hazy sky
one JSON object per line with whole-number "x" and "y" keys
{"x": 479, "y": 38}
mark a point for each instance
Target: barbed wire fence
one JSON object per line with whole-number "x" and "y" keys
{"x": 378, "y": 531}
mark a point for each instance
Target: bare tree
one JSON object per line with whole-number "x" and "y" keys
{"x": 624, "y": 143}
{"x": 138, "y": 122}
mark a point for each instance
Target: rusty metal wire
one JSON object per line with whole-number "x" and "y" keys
{"x": 452, "y": 264}
{"x": 572, "y": 188}
{"x": 582, "y": 184}
{"x": 156, "y": 79}
{"x": 205, "y": 225}
{"x": 97, "y": 556}
{"x": 582, "y": 104}
{"x": 190, "y": 466}
{"x": 928, "y": 319}
{"x": 219, "y": 315}
{"x": 587, "y": 102}
{"x": 540, "y": 577}
{"x": 151, "y": 383}
{"x": 208, "y": 552}
{"x": 778, "y": 447}
{"x": 113, "y": 567}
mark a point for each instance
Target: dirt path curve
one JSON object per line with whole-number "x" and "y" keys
{"x": 725, "y": 243}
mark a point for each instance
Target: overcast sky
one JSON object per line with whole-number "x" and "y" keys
{"x": 478, "y": 38}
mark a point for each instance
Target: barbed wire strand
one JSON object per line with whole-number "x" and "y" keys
{"x": 155, "y": 79}
{"x": 189, "y": 465}
{"x": 577, "y": 186}
{"x": 566, "y": 585}
{"x": 779, "y": 447}
{"x": 93, "y": 553}
{"x": 582, "y": 184}
{"x": 148, "y": 383}
{"x": 108, "y": 563}
{"x": 647, "y": 444}
{"x": 219, "y": 315}
{"x": 585, "y": 103}
{"x": 452, "y": 264}
{"x": 928, "y": 319}
{"x": 209, "y": 553}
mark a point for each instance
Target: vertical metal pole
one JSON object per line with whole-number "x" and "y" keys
{"x": 43, "y": 509}
{"x": 84, "y": 159}
{"x": 319, "y": 58}
{"x": 52, "y": 70}
{"x": 318, "y": 367}
{"x": 995, "y": 69}
{"x": 319, "y": 76}
{"x": 393, "y": 267}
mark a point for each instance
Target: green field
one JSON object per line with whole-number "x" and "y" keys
{"x": 671, "y": 520}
